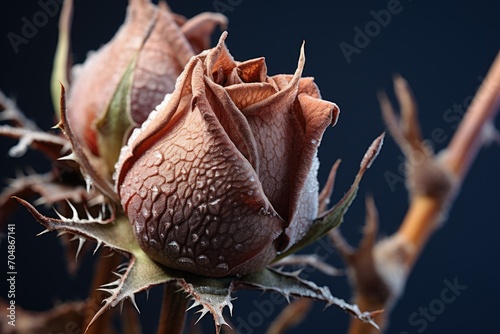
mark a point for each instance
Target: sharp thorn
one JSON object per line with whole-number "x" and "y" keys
{"x": 81, "y": 241}
{"x": 73, "y": 210}
{"x": 203, "y": 312}
{"x": 71, "y": 157}
{"x": 110, "y": 284}
{"x": 195, "y": 304}
{"x": 99, "y": 243}
{"x": 110, "y": 291}
{"x": 89, "y": 216}
{"x": 132, "y": 300}
{"x": 43, "y": 232}
{"x": 61, "y": 217}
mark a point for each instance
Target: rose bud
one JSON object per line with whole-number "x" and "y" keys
{"x": 222, "y": 175}
{"x": 121, "y": 83}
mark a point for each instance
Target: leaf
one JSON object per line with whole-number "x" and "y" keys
{"x": 113, "y": 125}
{"x": 312, "y": 260}
{"x": 212, "y": 294}
{"x": 333, "y": 217}
{"x": 91, "y": 175}
{"x": 290, "y": 284}
{"x": 140, "y": 274}
{"x": 113, "y": 232}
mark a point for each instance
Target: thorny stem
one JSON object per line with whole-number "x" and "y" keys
{"x": 425, "y": 212}
{"x": 173, "y": 311}
{"x": 420, "y": 220}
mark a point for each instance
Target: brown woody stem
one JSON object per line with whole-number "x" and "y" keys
{"x": 468, "y": 139}
{"x": 426, "y": 211}
{"x": 419, "y": 224}
{"x": 291, "y": 316}
{"x": 173, "y": 311}
{"x": 420, "y": 220}
{"x": 102, "y": 275}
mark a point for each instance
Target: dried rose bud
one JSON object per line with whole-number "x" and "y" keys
{"x": 222, "y": 175}
{"x": 120, "y": 84}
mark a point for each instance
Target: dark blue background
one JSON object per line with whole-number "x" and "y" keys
{"x": 442, "y": 49}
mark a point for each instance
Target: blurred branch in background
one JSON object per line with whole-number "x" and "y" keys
{"x": 378, "y": 270}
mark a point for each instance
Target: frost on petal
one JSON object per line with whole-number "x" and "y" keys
{"x": 193, "y": 198}
{"x": 334, "y": 217}
{"x": 102, "y": 71}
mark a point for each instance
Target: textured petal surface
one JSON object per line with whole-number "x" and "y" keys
{"x": 223, "y": 174}
{"x": 152, "y": 35}
{"x": 288, "y": 127}
{"x": 317, "y": 115}
{"x": 195, "y": 200}
{"x": 157, "y": 68}
{"x": 199, "y": 28}
{"x": 103, "y": 70}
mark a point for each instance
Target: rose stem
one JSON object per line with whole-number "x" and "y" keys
{"x": 102, "y": 275}
{"x": 173, "y": 311}
{"x": 420, "y": 221}
{"x": 292, "y": 315}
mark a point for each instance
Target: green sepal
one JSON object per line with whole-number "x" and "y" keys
{"x": 321, "y": 226}
{"x": 115, "y": 122}
{"x": 334, "y": 217}
{"x": 62, "y": 62}
{"x": 142, "y": 273}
